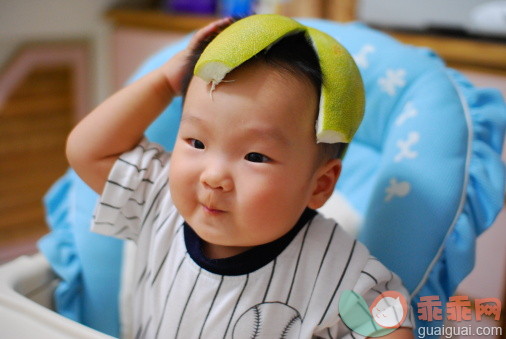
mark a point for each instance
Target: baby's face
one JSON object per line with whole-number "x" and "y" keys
{"x": 243, "y": 167}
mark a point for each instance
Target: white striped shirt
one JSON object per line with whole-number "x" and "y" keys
{"x": 286, "y": 289}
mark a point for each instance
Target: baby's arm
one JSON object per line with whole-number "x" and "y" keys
{"x": 118, "y": 124}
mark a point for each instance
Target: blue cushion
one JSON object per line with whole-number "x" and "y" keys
{"x": 424, "y": 168}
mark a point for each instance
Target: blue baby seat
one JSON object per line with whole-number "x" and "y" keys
{"x": 424, "y": 171}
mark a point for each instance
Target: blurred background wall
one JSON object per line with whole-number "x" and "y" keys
{"x": 31, "y": 21}
{"x": 54, "y": 66}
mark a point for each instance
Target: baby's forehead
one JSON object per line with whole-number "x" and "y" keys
{"x": 269, "y": 85}
{"x": 289, "y": 75}
{"x": 259, "y": 98}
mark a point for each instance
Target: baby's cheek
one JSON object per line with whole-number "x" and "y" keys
{"x": 178, "y": 185}
{"x": 180, "y": 167}
{"x": 258, "y": 196}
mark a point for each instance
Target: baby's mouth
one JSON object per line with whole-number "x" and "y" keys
{"x": 210, "y": 207}
{"x": 212, "y": 210}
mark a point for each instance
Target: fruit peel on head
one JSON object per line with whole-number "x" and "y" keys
{"x": 342, "y": 98}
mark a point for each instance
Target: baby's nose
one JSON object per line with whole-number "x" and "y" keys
{"x": 217, "y": 178}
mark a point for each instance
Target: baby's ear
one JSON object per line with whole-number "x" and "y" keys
{"x": 326, "y": 178}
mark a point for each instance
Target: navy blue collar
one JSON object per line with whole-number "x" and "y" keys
{"x": 248, "y": 261}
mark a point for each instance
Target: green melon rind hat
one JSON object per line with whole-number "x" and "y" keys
{"x": 342, "y": 99}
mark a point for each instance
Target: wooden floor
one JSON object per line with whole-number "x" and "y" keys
{"x": 34, "y": 124}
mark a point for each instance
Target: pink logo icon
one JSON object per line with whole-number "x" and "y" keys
{"x": 389, "y": 309}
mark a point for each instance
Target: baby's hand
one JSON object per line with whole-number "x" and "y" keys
{"x": 175, "y": 69}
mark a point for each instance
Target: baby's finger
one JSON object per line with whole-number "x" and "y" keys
{"x": 218, "y": 25}
{"x": 213, "y": 28}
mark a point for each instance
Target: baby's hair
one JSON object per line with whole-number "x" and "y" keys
{"x": 294, "y": 54}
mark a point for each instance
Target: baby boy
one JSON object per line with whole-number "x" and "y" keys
{"x": 229, "y": 244}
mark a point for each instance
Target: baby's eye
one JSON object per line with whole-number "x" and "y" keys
{"x": 257, "y": 157}
{"x": 196, "y": 143}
